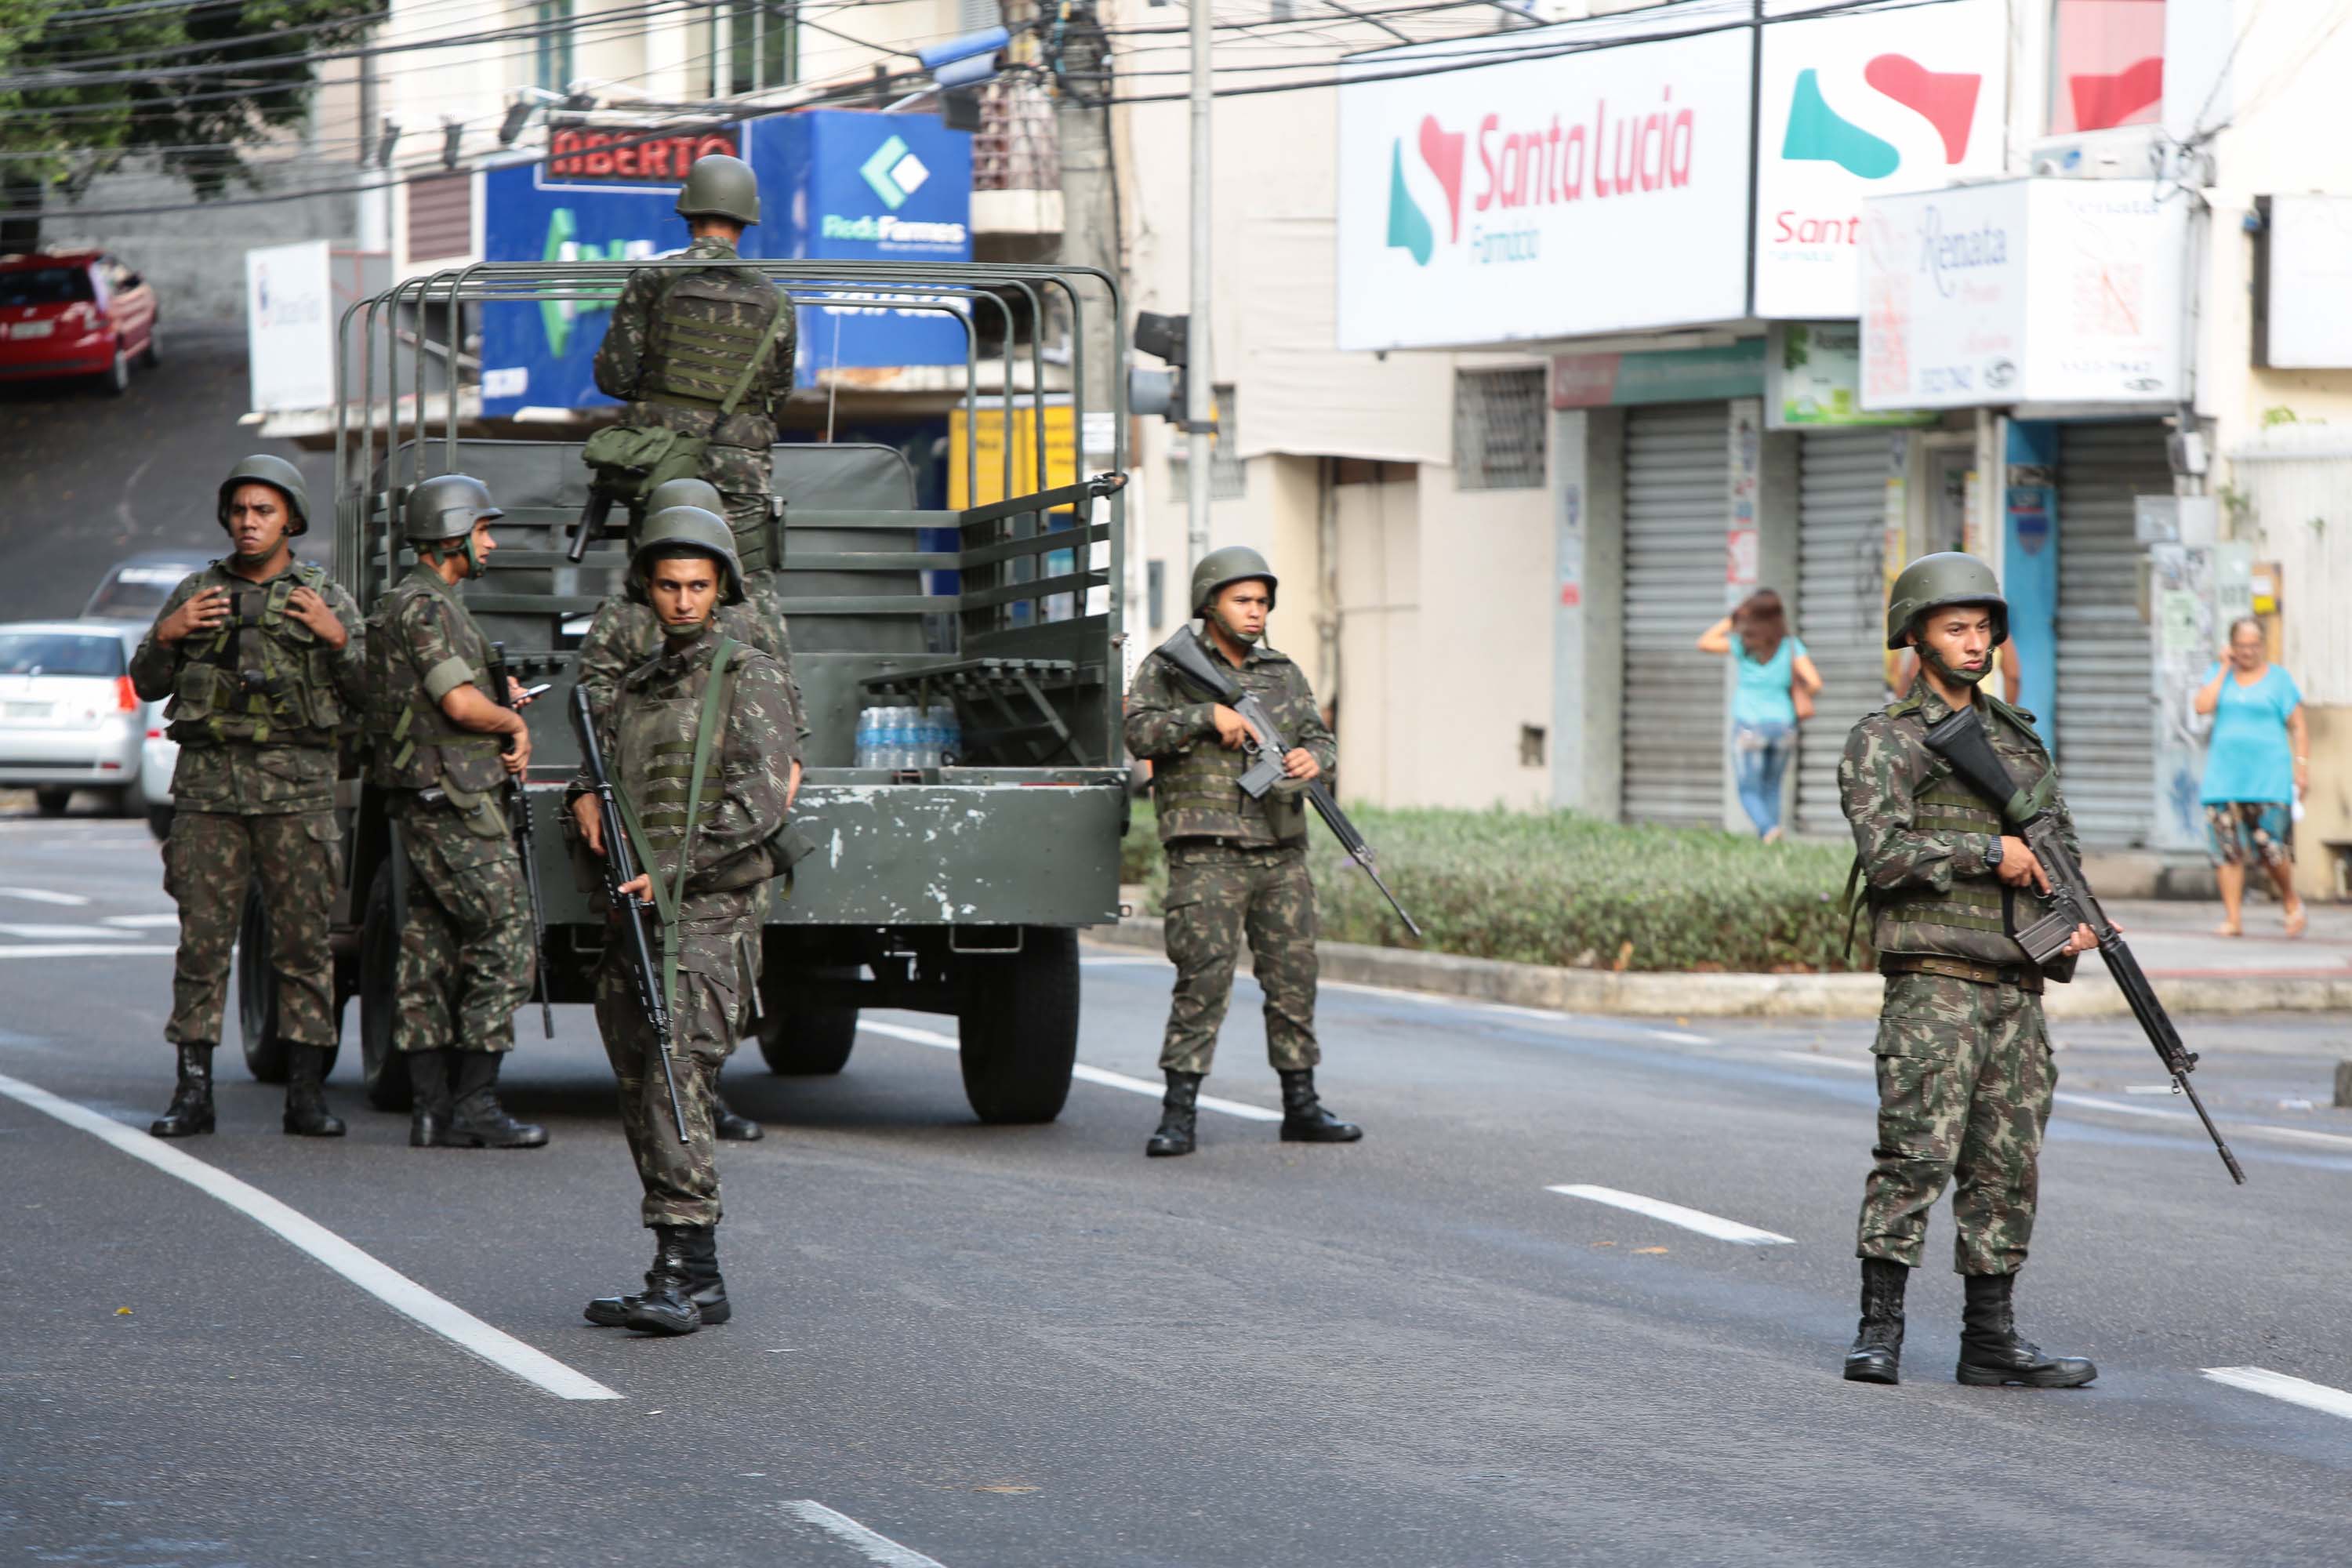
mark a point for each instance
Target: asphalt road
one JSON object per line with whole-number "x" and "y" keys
{"x": 1032, "y": 1346}
{"x": 93, "y": 478}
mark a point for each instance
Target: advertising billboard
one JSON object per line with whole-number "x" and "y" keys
{"x": 1582, "y": 191}
{"x": 1852, "y": 107}
{"x": 289, "y": 326}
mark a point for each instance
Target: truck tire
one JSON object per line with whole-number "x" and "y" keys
{"x": 383, "y": 1074}
{"x": 799, "y": 1040}
{"x": 1020, "y": 1027}
{"x": 52, "y": 802}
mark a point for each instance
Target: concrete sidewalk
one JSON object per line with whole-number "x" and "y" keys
{"x": 2193, "y": 969}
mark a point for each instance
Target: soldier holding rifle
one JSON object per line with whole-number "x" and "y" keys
{"x": 1965, "y": 1078}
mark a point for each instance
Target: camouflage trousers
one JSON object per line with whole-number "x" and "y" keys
{"x": 1219, "y": 894}
{"x": 717, "y": 969}
{"x": 465, "y": 958}
{"x": 210, "y": 860}
{"x": 1964, "y": 1086}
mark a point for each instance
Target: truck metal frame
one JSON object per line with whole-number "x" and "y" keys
{"x": 956, "y": 890}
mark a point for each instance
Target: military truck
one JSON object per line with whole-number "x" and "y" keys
{"x": 958, "y": 888}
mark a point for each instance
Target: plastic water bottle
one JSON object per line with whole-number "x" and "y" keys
{"x": 947, "y": 738}
{"x": 900, "y": 745}
{"x": 869, "y": 725}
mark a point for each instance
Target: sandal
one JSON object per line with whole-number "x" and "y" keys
{"x": 2296, "y": 918}
{"x": 2226, "y": 929}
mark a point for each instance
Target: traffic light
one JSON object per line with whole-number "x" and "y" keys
{"x": 1160, "y": 392}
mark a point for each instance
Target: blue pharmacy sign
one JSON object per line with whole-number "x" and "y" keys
{"x": 848, "y": 184}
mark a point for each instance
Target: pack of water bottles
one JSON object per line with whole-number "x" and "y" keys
{"x": 898, "y": 738}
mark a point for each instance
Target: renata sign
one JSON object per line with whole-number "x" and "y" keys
{"x": 1861, "y": 106}
{"x": 641, "y": 155}
{"x": 1575, "y": 192}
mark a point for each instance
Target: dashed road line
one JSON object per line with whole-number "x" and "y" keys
{"x": 1815, "y": 1058}
{"x": 44, "y": 896}
{"x": 870, "y": 1544}
{"x": 2279, "y": 1386}
{"x": 1083, "y": 1073}
{"x": 64, "y": 932}
{"x": 387, "y": 1285}
{"x": 1706, "y": 1224}
{"x": 143, "y": 922}
{"x": 1680, "y": 1038}
{"x": 84, "y": 950}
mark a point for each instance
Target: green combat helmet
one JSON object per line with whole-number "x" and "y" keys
{"x": 720, "y": 186}
{"x": 1220, "y": 569}
{"x": 688, "y": 491}
{"x": 692, "y": 527}
{"x": 1932, "y": 582}
{"x": 279, "y": 475}
{"x": 446, "y": 507}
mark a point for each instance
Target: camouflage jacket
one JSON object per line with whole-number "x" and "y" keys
{"x": 423, "y": 645}
{"x": 625, "y": 634}
{"x": 1196, "y": 782}
{"x": 647, "y": 736}
{"x": 1925, "y": 841}
{"x": 258, "y": 705}
{"x": 681, "y": 337}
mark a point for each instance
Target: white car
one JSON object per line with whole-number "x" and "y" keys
{"x": 68, "y": 718}
{"x": 158, "y": 755}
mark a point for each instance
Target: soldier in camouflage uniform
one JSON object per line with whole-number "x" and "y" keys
{"x": 1965, "y": 1077}
{"x": 653, "y": 736}
{"x": 262, "y": 657}
{"x": 444, "y": 750}
{"x": 625, "y": 634}
{"x": 1236, "y": 866}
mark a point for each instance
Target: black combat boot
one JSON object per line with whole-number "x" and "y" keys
{"x": 708, "y": 1292}
{"x": 190, "y": 1111}
{"x": 1991, "y": 1352}
{"x": 1877, "y": 1353}
{"x": 1303, "y": 1120}
{"x": 1178, "y": 1112}
{"x": 307, "y": 1115}
{"x": 731, "y": 1127}
{"x": 428, "y": 1083}
{"x": 667, "y": 1306}
{"x": 478, "y": 1120}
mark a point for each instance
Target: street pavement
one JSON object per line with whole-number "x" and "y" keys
{"x": 964, "y": 1345}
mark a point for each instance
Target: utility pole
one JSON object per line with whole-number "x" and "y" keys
{"x": 1200, "y": 391}
{"x": 374, "y": 194}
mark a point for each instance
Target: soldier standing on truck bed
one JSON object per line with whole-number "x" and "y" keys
{"x": 442, "y": 750}
{"x": 625, "y": 633}
{"x": 262, "y": 657}
{"x": 1236, "y": 864}
{"x": 700, "y": 748}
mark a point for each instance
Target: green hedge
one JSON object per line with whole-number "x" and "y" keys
{"x": 1559, "y": 888}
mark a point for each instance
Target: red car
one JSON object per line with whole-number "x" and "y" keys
{"x": 74, "y": 312}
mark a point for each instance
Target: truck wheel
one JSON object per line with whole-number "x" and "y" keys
{"x": 797, "y": 1039}
{"x": 382, "y": 1072}
{"x": 52, "y": 802}
{"x": 158, "y": 823}
{"x": 1020, "y": 1027}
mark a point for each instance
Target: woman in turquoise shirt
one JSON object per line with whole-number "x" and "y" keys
{"x": 1777, "y": 683}
{"x": 2257, "y": 763}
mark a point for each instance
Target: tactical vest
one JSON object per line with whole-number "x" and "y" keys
{"x": 706, "y": 331}
{"x": 261, "y": 676}
{"x": 415, "y": 744}
{"x": 656, "y": 725}
{"x": 1198, "y": 793}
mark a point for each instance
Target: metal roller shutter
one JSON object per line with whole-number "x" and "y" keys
{"x": 2106, "y": 721}
{"x": 1840, "y": 609}
{"x": 1677, "y": 494}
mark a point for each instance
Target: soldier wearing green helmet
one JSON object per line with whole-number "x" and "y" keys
{"x": 701, "y": 748}
{"x": 443, "y": 748}
{"x": 262, "y": 657}
{"x": 1237, "y": 864}
{"x": 1965, "y": 1078}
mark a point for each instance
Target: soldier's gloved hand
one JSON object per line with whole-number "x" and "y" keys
{"x": 590, "y": 821}
{"x": 202, "y": 613}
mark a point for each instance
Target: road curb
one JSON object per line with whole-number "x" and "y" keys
{"x": 2093, "y": 995}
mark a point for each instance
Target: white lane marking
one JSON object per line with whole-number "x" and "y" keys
{"x": 870, "y": 1544}
{"x": 1679, "y": 1038}
{"x": 2279, "y": 1386}
{"x": 141, "y": 922}
{"x": 387, "y": 1285}
{"x": 1675, "y": 1214}
{"x": 43, "y": 896}
{"x": 2091, "y": 1102}
{"x": 1815, "y": 1059}
{"x": 83, "y": 950}
{"x": 1106, "y": 961}
{"x": 65, "y": 933}
{"x": 1082, "y": 1072}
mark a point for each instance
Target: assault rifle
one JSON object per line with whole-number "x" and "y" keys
{"x": 1960, "y": 740}
{"x": 1267, "y": 745}
{"x": 620, "y": 869}
{"x": 525, "y": 841}
{"x": 591, "y": 525}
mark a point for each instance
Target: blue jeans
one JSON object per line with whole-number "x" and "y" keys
{"x": 1759, "y": 755}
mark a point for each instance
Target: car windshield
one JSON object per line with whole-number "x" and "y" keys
{"x": 59, "y": 653}
{"x": 135, "y": 593}
{"x": 45, "y": 286}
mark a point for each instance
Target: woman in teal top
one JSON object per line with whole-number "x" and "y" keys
{"x": 2256, "y": 764}
{"x": 1775, "y": 687}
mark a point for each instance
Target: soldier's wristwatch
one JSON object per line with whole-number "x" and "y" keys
{"x": 1993, "y": 860}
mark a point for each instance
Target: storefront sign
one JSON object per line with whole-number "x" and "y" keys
{"x": 633, "y": 154}
{"x": 2306, "y": 283}
{"x": 1852, "y": 107}
{"x": 289, "y": 326}
{"x": 1658, "y": 375}
{"x": 1600, "y": 190}
{"x": 1813, "y": 379}
{"x": 2052, "y": 291}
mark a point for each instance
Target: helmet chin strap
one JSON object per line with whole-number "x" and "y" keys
{"x": 1246, "y": 639}
{"x": 1934, "y": 659}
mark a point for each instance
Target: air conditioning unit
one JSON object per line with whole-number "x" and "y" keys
{"x": 2098, "y": 155}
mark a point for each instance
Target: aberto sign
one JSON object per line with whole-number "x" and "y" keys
{"x": 632, "y": 154}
